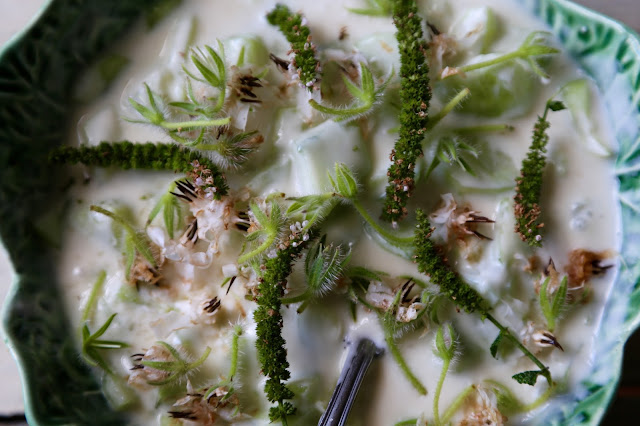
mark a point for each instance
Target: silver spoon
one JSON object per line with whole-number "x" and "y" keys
{"x": 349, "y": 383}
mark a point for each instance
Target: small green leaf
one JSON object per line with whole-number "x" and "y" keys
{"x": 559, "y": 298}
{"x": 446, "y": 345}
{"x": 324, "y": 265}
{"x": 97, "y": 286}
{"x": 171, "y": 210}
{"x": 556, "y": 105}
{"x": 494, "y": 346}
{"x": 551, "y": 309}
{"x": 527, "y": 377}
{"x": 345, "y": 183}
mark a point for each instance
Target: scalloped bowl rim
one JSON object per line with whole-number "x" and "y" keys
{"x": 583, "y": 11}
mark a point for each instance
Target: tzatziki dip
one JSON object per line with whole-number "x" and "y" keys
{"x": 263, "y": 184}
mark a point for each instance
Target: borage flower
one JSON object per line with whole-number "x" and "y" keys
{"x": 483, "y": 410}
{"x": 457, "y": 223}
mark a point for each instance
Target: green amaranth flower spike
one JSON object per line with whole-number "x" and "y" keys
{"x": 529, "y": 183}
{"x": 298, "y": 34}
{"x": 415, "y": 94}
{"x": 430, "y": 263}
{"x": 464, "y": 296}
{"x": 151, "y": 156}
{"x": 269, "y": 342}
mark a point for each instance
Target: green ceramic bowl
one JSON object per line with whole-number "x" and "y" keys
{"x": 37, "y": 73}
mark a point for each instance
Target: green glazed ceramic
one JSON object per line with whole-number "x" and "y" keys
{"x": 37, "y": 73}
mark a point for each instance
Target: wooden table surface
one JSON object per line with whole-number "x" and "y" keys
{"x": 627, "y": 401}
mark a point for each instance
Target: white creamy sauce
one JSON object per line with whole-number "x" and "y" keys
{"x": 579, "y": 199}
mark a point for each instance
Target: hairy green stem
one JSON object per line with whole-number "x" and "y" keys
{"x": 484, "y": 64}
{"x": 193, "y": 124}
{"x": 235, "y": 351}
{"x": 397, "y": 356}
{"x": 295, "y": 299}
{"x": 450, "y": 106}
{"x": 262, "y": 247}
{"x": 436, "y": 397}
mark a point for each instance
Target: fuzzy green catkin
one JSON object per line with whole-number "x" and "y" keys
{"x": 415, "y": 94}
{"x": 529, "y": 186}
{"x": 298, "y": 34}
{"x": 127, "y": 155}
{"x": 270, "y": 344}
{"x": 431, "y": 263}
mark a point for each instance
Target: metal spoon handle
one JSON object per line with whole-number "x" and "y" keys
{"x": 349, "y": 383}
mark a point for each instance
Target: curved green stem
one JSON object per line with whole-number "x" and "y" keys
{"x": 436, "y": 397}
{"x": 539, "y": 401}
{"x": 234, "y": 351}
{"x": 395, "y": 352}
{"x": 303, "y": 306}
{"x": 379, "y": 229}
{"x": 456, "y": 404}
{"x": 342, "y": 114}
{"x": 221, "y": 98}
{"x": 490, "y": 62}
{"x": 436, "y": 118}
{"x": 295, "y": 299}
{"x": 262, "y": 247}
{"x": 484, "y": 128}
